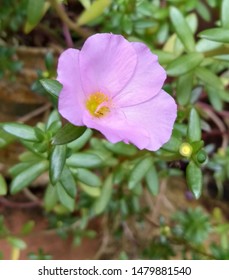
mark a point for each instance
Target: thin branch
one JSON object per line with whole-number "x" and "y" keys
{"x": 35, "y": 113}
{"x": 71, "y": 24}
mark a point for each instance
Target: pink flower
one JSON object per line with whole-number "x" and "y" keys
{"x": 115, "y": 86}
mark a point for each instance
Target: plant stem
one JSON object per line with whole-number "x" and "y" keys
{"x": 65, "y": 19}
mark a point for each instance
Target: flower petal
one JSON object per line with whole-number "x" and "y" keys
{"x": 147, "y": 80}
{"x": 71, "y": 98}
{"x": 156, "y": 116}
{"x": 107, "y": 63}
{"x": 115, "y": 127}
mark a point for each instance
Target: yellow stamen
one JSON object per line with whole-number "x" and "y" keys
{"x": 185, "y": 149}
{"x": 97, "y": 104}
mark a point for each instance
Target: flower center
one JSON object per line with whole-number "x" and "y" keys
{"x": 98, "y": 104}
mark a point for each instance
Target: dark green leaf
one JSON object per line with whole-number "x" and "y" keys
{"x": 194, "y": 130}
{"x": 152, "y": 180}
{"x": 77, "y": 144}
{"x": 184, "y": 88}
{"x": 182, "y": 29}
{"x": 224, "y": 13}
{"x": 66, "y": 200}
{"x": 139, "y": 172}
{"x": 68, "y": 133}
{"x": 3, "y": 186}
{"x": 216, "y": 34}
{"x": 105, "y": 196}
{"x": 68, "y": 182}
{"x": 173, "y": 144}
{"x": 57, "y": 162}
{"x": 52, "y": 86}
{"x": 22, "y": 131}
{"x": 26, "y": 177}
{"x": 84, "y": 160}
{"x": 194, "y": 179}
{"x": 34, "y": 14}
{"x": 184, "y": 64}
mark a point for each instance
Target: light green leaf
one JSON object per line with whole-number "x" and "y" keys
{"x": 182, "y": 29}
{"x": 209, "y": 78}
{"x": 26, "y": 177}
{"x": 50, "y": 198}
{"x": 173, "y": 144}
{"x": 214, "y": 98}
{"x": 184, "y": 88}
{"x": 27, "y": 227}
{"x": 57, "y": 162}
{"x": 84, "y": 160}
{"x": 67, "y": 134}
{"x": 65, "y": 199}
{"x": 105, "y": 196}
{"x": 224, "y": 13}
{"x": 16, "y": 242}
{"x": 94, "y": 11}
{"x": 194, "y": 130}
{"x": 216, "y": 34}
{"x": 139, "y": 171}
{"x": 91, "y": 191}
{"x": 21, "y": 131}
{"x": 194, "y": 179}
{"x": 164, "y": 57}
{"x": 184, "y": 64}
{"x": 3, "y": 186}
{"x": 121, "y": 148}
{"x": 88, "y": 178}
{"x": 152, "y": 181}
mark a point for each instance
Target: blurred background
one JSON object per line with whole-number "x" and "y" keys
{"x": 117, "y": 202}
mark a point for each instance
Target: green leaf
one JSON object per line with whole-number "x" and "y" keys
{"x": 65, "y": 199}
{"x": 35, "y": 11}
{"x": 16, "y": 242}
{"x": 152, "y": 181}
{"x": 50, "y": 198}
{"x": 224, "y": 13}
{"x": 18, "y": 168}
{"x": 3, "y": 186}
{"x": 22, "y": 131}
{"x": 214, "y": 98}
{"x": 184, "y": 64}
{"x": 26, "y": 177}
{"x": 121, "y": 148}
{"x": 87, "y": 177}
{"x": 204, "y": 45}
{"x": 91, "y": 191}
{"x": 5, "y": 138}
{"x": 194, "y": 179}
{"x": 94, "y": 11}
{"x": 27, "y": 227}
{"x": 184, "y": 88}
{"x": 77, "y": 144}
{"x": 209, "y": 78}
{"x": 182, "y": 29}
{"x": 139, "y": 171}
{"x": 67, "y": 134}
{"x": 57, "y": 162}
{"x": 53, "y": 87}
{"x": 84, "y": 160}
{"x": 68, "y": 182}
{"x": 53, "y": 118}
{"x": 216, "y": 34}
{"x": 105, "y": 196}
{"x": 173, "y": 144}
{"x": 164, "y": 57}
{"x": 194, "y": 130}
